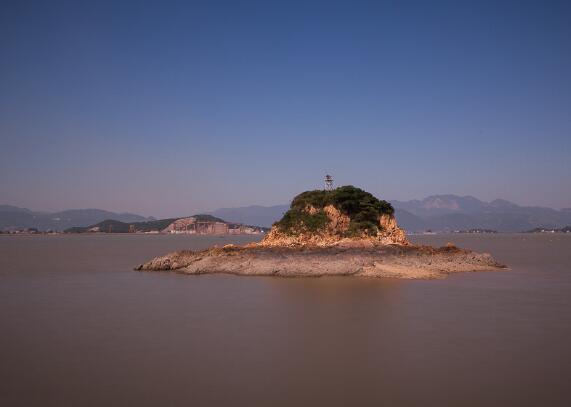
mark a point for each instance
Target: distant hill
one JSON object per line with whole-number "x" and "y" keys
{"x": 451, "y": 212}
{"x": 114, "y": 226}
{"x": 10, "y": 208}
{"x": 409, "y": 221}
{"x": 437, "y": 213}
{"x": 441, "y": 205}
{"x": 252, "y": 215}
{"x": 13, "y": 217}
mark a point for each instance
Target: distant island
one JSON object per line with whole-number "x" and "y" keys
{"x": 197, "y": 224}
{"x": 342, "y": 231}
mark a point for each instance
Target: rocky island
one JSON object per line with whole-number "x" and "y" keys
{"x": 342, "y": 231}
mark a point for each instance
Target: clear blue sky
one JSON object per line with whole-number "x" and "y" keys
{"x": 171, "y": 108}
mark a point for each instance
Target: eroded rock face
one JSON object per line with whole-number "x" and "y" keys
{"x": 389, "y": 232}
{"x": 276, "y": 238}
{"x": 335, "y": 233}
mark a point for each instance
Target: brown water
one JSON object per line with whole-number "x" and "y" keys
{"x": 79, "y": 328}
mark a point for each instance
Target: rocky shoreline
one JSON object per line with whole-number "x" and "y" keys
{"x": 340, "y": 232}
{"x": 350, "y": 259}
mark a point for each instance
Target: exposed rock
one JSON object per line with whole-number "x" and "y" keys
{"x": 389, "y": 232}
{"x": 338, "y": 222}
{"x": 409, "y": 262}
{"x": 335, "y": 232}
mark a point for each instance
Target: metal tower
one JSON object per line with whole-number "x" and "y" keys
{"x": 328, "y": 182}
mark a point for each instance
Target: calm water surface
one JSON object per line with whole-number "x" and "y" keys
{"x": 79, "y": 328}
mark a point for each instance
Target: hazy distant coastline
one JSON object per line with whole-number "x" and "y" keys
{"x": 437, "y": 213}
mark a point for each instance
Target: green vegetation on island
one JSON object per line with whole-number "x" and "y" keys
{"x": 362, "y": 208}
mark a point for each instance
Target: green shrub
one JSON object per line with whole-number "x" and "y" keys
{"x": 296, "y": 220}
{"x": 317, "y": 199}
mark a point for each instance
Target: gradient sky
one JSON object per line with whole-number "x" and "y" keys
{"x": 172, "y": 108}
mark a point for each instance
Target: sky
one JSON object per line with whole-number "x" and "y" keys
{"x": 172, "y": 108}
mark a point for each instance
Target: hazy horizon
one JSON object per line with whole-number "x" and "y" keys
{"x": 228, "y": 207}
{"x": 174, "y": 108}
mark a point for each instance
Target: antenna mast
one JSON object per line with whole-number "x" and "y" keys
{"x": 328, "y": 182}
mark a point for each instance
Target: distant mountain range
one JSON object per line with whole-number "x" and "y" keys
{"x": 13, "y": 217}
{"x": 436, "y": 213}
{"x": 451, "y": 212}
